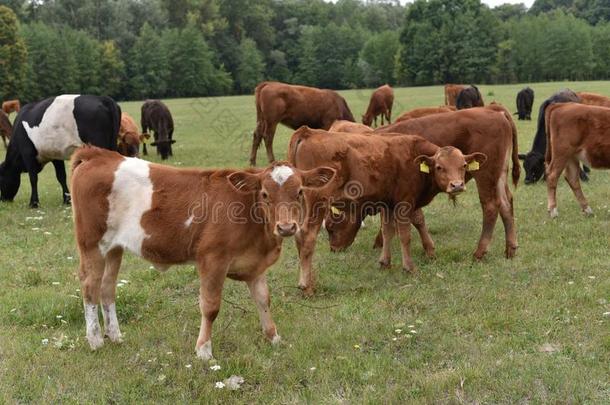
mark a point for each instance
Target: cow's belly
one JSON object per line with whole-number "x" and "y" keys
{"x": 251, "y": 263}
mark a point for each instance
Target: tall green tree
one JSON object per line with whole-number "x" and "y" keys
{"x": 378, "y": 57}
{"x": 13, "y": 56}
{"x": 147, "y": 67}
{"x": 251, "y": 66}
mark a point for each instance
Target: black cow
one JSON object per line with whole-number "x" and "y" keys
{"x": 469, "y": 97}
{"x": 533, "y": 161}
{"x": 156, "y": 117}
{"x": 49, "y": 131}
{"x": 525, "y": 100}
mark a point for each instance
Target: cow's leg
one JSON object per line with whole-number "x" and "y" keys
{"x": 260, "y": 294}
{"x": 60, "y": 174}
{"x": 553, "y": 172}
{"x": 171, "y": 137}
{"x": 404, "y": 233}
{"x": 584, "y": 173}
{"x": 257, "y": 137}
{"x": 378, "y": 244}
{"x": 572, "y": 177}
{"x": 419, "y": 222}
{"x": 382, "y": 117}
{"x": 210, "y": 295}
{"x": 90, "y": 274}
{"x": 389, "y": 116}
{"x": 111, "y": 322}
{"x": 4, "y": 141}
{"x": 34, "y": 201}
{"x": 489, "y": 205}
{"x": 306, "y": 243}
{"x": 387, "y": 233}
{"x": 505, "y": 201}
{"x": 268, "y": 138}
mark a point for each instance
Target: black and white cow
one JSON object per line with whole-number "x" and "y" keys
{"x": 157, "y": 118}
{"x": 525, "y": 101}
{"x": 49, "y": 131}
{"x": 533, "y": 161}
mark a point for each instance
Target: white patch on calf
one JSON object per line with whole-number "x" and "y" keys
{"x": 56, "y": 137}
{"x": 280, "y": 174}
{"x": 129, "y": 199}
{"x": 94, "y": 331}
{"x": 204, "y": 352}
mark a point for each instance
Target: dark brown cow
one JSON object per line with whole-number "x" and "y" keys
{"x": 10, "y": 106}
{"x": 293, "y": 106}
{"x": 593, "y": 99}
{"x": 381, "y": 103}
{"x": 157, "y": 118}
{"x": 489, "y": 130}
{"x": 575, "y": 132}
{"x": 129, "y": 137}
{"x": 469, "y": 97}
{"x": 348, "y": 126}
{"x": 451, "y": 93}
{"x": 422, "y": 112}
{"x": 5, "y": 127}
{"x": 230, "y": 223}
{"x": 386, "y": 173}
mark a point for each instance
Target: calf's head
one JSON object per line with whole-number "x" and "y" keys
{"x": 129, "y": 144}
{"x": 367, "y": 119}
{"x": 279, "y": 192}
{"x": 448, "y": 166}
{"x": 533, "y": 164}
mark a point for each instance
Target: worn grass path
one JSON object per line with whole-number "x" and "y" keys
{"x": 528, "y": 330}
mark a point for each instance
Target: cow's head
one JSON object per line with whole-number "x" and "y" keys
{"x": 279, "y": 191}
{"x": 448, "y": 166}
{"x": 163, "y": 147}
{"x": 129, "y": 145}
{"x": 367, "y": 120}
{"x": 342, "y": 226}
{"x": 533, "y": 164}
{"x": 9, "y": 182}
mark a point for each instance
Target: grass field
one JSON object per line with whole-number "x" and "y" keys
{"x": 533, "y": 329}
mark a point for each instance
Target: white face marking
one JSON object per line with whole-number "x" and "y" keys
{"x": 94, "y": 331}
{"x": 56, "y": 137}
{"x": 111, "y": 322}
{"x": 205, "y": 351}
{"x": 280, "y": 174}
{"x": 189, "y": 221}
{"x": 130, "y": 198}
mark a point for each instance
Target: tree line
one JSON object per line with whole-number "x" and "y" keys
{"x": 135, "y": 49}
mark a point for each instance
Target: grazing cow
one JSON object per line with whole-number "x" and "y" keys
{"x": 533, "y": 161}
{"x": 293, "y": 106}
{"x": 525, "y": 100}
{"x": 395, "y": 175}
{"x": 469, "y": 97}
{"x": 451, "y": 93}
{"x": 5, "y": 128}
{"x": 575, "y": 132}
{"x": 10, "y": 106}
{"x": 348, "y": 126}
{"x": 49, "y": 131}
{"x": 157, "y": 118}
{"x": 381, "y": 103}
{"x": 129, "y": 137}
{"x": 593, "y": 99}
{"x": 230, "y": 223}
{"x": 422, "y": 112}
{"x": 489, "y": 130}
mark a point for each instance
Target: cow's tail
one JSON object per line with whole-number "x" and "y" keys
{"x": 547, "y": 128}
{"x": 299, "y": 136}
{"x": 516, "y": 172}
{"x": 260, "y": 121}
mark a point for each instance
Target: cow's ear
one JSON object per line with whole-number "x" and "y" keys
{"x": 318, "y": 177}
{"x": 424, "y": 162}
{"x": 244, "y": 182}
{"x": 475, "y": 160}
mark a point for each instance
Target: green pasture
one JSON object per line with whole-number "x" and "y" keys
{"x": 535, "y": 329}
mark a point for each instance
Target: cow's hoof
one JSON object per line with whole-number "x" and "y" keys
{"x": 276, "y": 340}
{"x": 34, "y": 204}
{"x": 95, "y": 341}
{"x": 412, "y": 270}
{"x": 115, "y": 337}
{"x": 584, "y": 176}
{"x": 510, "y": 252}
{"x": 306, "y": 291}
{"x": 430, "y": 254}
{"x": 588, "y": 211}
{"x": 553, "y": 212}
{"x": 204, "y": 352}
{"x": 384, "y": 264}
{"x": 478, "y": 255}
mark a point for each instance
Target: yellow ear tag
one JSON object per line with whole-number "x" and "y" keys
{"x": 424, "y": 168}
{"x": 472, "y": 166}
{"x": 335, "y": 210}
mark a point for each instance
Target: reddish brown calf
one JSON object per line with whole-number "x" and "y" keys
{"x": 381, "y": 103}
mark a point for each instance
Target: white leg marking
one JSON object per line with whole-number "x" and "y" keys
{"x": 204, "y": 352}
{"x": 94, "y": 331}
{"x": 276, "y": 340}
{"x": 111, "y": 323}
{"x": 588, "y": 211}
{"x": 280, "y": 174}
{"x": 129, "y": 199}
{"x": 554, "y": 213}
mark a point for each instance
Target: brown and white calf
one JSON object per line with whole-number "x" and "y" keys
{"x": 575, "y": 133}
{"x": 229, "y": 223}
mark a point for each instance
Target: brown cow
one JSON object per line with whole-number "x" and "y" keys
{"x": 469, "y": 97}
{"x": 575, "y": 132}
{"x": 129, "y": 137}
{"x": 489, "y": 130}
{"x": 422, "y": 112}
{"x": 451, "y": 93}
{"x": 593, "y": 99}
{"x": 10, "y": 106}
{"x": 230, "y": 223}
{"x": 381, "y": 103}
{"x": 382, "y": 173}
{"x": 5, "y": 127}
{"x": 348, "y": 126}
{"x": 293, "y": 106}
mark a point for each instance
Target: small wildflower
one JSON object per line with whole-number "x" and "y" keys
{"x": 592, "y": 277}
{"x": 55, "y": 283}
{"x": 188, "y": 366}
{"x": 312, "y": 369}
{"x": 169, "y": 353}
{"x": 394, "y": 339}
{"x": 607, "y": 313}
{"x": 413, "y": 331}
{"x": 58, "y": 316}
{"x": 45, "y": 342}
{"x": 215, "y": 367}
{"x": 570, "y": 282}
{"x": 161, "y": 378}
{"x": 398, "y": 330}
{"x": 70, "y": 258}
{"x": 219, "y": 385}
{"x": 356, "y": 346}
